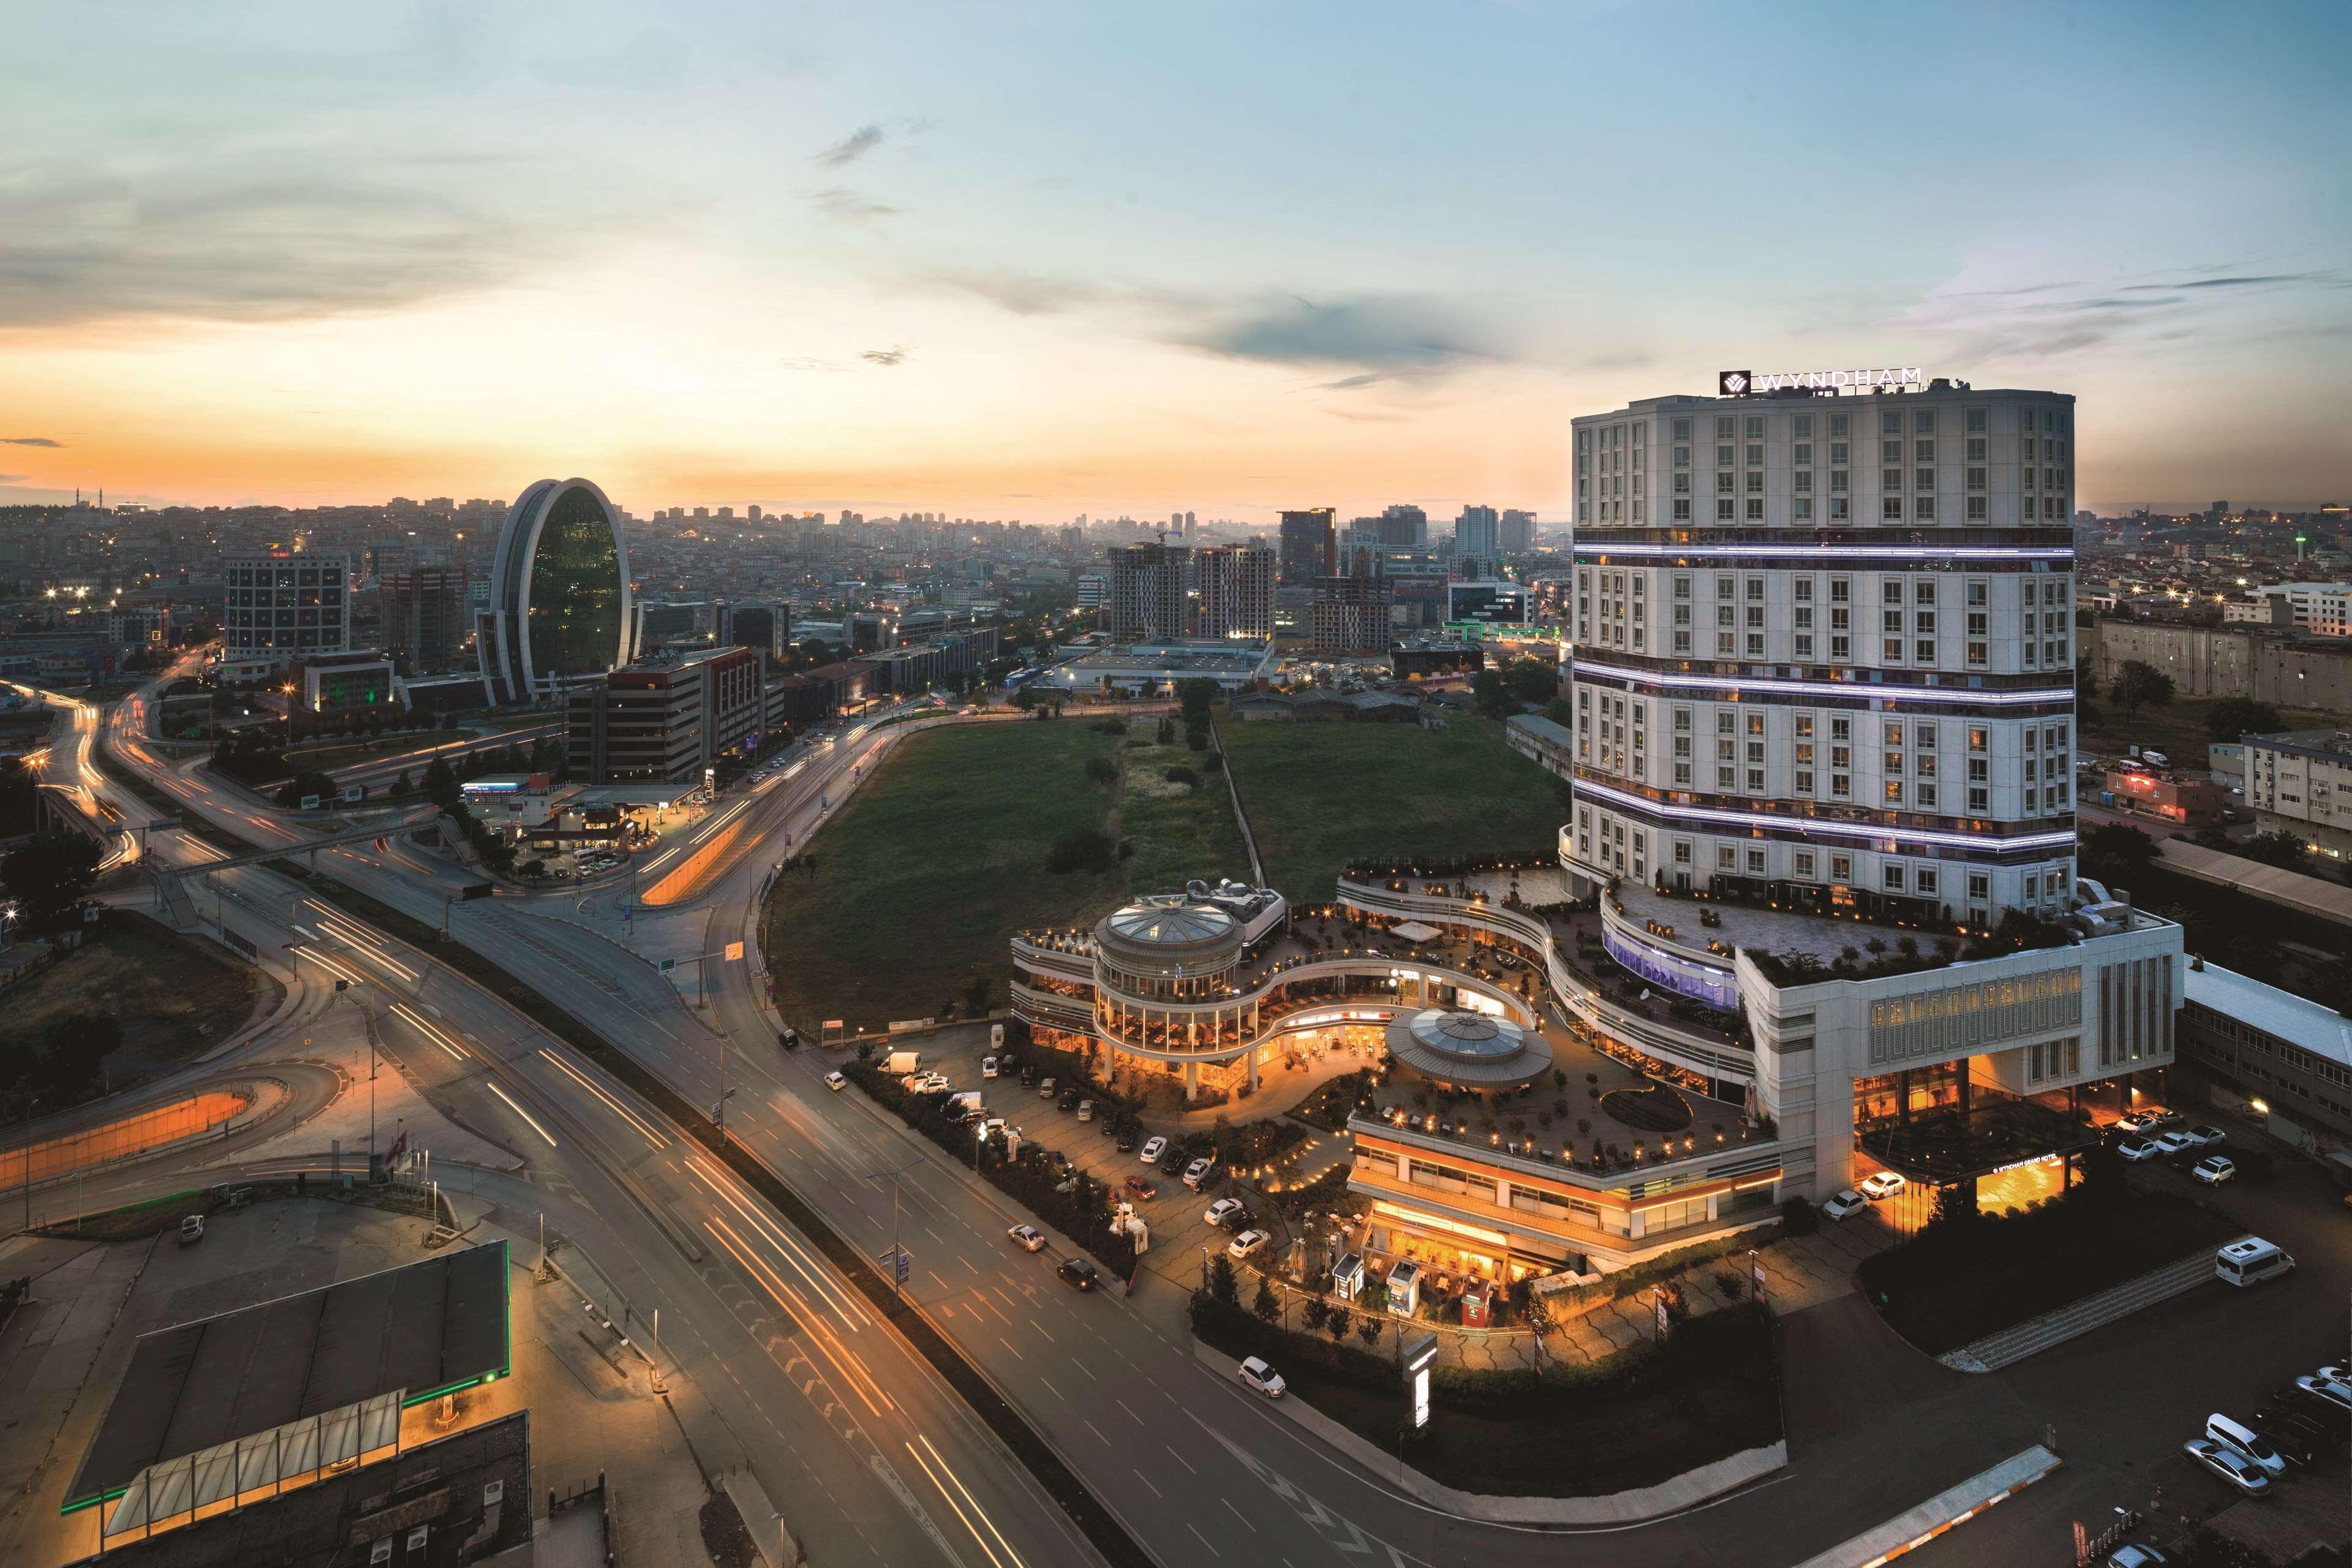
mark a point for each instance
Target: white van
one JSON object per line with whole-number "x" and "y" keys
{"x": 2249, "y": 1261}
{"x": 2232, "y": 1434}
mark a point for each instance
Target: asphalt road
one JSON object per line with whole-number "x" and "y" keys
{"x": 1198, "y": 1469}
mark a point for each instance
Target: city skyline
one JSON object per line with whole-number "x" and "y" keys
{"x": 845, "y": 261}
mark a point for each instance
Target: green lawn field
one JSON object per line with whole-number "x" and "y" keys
{"x": 934, "y": 863}
{"x": 1320, "y": 795}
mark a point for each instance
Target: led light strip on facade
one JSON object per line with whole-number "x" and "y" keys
{"x": 1602, "y": 793}
{"x": 1823, "y": 552}
{"x": 1855, "y": 688}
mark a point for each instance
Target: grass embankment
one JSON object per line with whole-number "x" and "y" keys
{"x": 937, "y": 860}
{"x": 1946, "y": 1288}
{"x": 2177, "y": 729}
{"x": 1642, "y": 1417}
{"x": 171, "y": 998}
{"x": 1320, "y": 795}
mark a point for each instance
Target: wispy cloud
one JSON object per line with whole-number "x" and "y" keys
{"x": 1380, "y": 337}
{"x": 28, "y": 441}
{"x": 850, "y": 148}
{"x": 845, "y": 205}
{"x": 1995, "y": 317}
{"x": 254, "y": 240}
{"x": 1023, "y": 293}
{"x": 885, "y": 357}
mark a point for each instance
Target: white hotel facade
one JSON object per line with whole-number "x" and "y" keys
{"x": 1825, "y": 673}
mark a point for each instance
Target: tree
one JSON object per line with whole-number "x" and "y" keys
{"x": 2112, "y": 852}
{"x": 1222, "y": 1286}
{"x": 1102, "y": 771}
{"x": 401, "y": 787}
{"x": 1493, "y": 693}
{"x": 2139, "y": 685}
{"x": 1955, "y": 1205}
{"x": 1534, "y": 680}
{"x": 1197, "y": 695}
{"x": 1336, "y": 1325}
{"x": 2283, "y": 849}
{"x": 976, "y": 995}
{"x": 303, "y": 785}
{"x": 1368, "y": 1329}
{"x": 1265, "y": 1304}
{"x": 19, "y": 798}
{"x": 47, "y": 875}
{"x": 2235, "y": 716}
{"x": 1559, "y": 711}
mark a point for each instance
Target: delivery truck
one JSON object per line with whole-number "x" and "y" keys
{"x": 902, "y": 1062}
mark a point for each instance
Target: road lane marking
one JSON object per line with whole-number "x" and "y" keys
{"x": 1008, "y": 1345}
{"x": 1237, "y": 1513}
{"x": 1178, "y": 1458}
{"x": 1097, "y": 1431}
{"x": 1203, "y": 1540}
{"x": 1051, "y": 1389}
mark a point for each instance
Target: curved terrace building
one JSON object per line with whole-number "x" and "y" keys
{"x": 1207, "y": 985}
{"x": 559, "y": 594}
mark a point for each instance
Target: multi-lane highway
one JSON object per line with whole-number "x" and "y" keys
{"x": 870, "y": 1456}
{"x": 1198, "y": 1471}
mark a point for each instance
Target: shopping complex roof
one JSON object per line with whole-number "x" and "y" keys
{"x": 420, "y": 1330}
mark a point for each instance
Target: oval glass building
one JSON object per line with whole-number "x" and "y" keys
{"x": 559, "y": 592}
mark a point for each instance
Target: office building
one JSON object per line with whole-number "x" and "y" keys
{"x": 665, "y": 723}
{"x": 1478, "y": 533}
{"x": 285, "y": 605}
{"x": 559, "y": 602}
{"x": 1404, "y": 526}
{"x": 767, "y": 628}
{"x": 2300, "y": 782}
{"x": 1349, "y": 617}
{"x": 1492, "y": 604}
{"x": 1147, "y": 601}
{"x": 1093, "y": 590}
{"x": 2322, "y": 609}
{"x": 2284, "y": 1059}
{"x": 425, "y": 621}
{"x": 1518, "y": 533}
{"x": 659, "y": 622}
{"x": 1310, "y": 546}
{"x": 1236, "y": 592}
{"x": 353, "y": 682}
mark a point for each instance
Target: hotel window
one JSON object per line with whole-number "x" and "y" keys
{"x": 1725, "y": 859}
{"x": 1976, "y": 421}
{"x": 1755, "y": 645}
{"x": 1755, "y": 483}
{"x": 1893, "y": 877}
{"x": 1723, "y": 779}
{"x": 1923, "y": 422}
{"x": 1682, "y": 510}
{"x": 1756, "y": 454}
{"x": 1891, "y": 510}
{"x": 1723, "y": 511}
{"x": 1755, "y": 509}
{"x": 1802, "y": 508}
{"x": 1804, "y": 782}
{"x": 1801, "y": 454}
{"x": 1681, "y": 587}
{"x": 1723, "y": 484}
{"x": 1923, "y": 509}
{"x": 1838, "y": 510}
{"x": 1890, "y": 478}
{"x": 1841, "y": 867}
{"x": 1682, "y": 774}
{"x": 1803, "y": 481}
{"x": 1890, "y": 451}
{"x": 1682, "y": 429}
{"x": 1804, "y": 861}
{"x": 1682, "y": 456}
{"x": 1976, "y": 513}
{"x": 1682, "y": 851}
{"x": 1923, "y": 652}
{"x": 1927, "y": 797}
{"x": 1755, "y": 430}
{"x": 1838, "y": 481}
{"x": 1682, "y": 484}
{"x": 1837, "y": 424}
{"x": 1801, "y": 426}
{"x": 1724, "y": 428}
{"x": 1840, "y": 650}
{"x": 1724, "y": 644}
{"x": 1755, "y": 862}
{"x": 1841, "y": 785}
{"x": 1723, "y": 457}
{"x": 1894, "y": 792}
{"x": 1922, "y": 478}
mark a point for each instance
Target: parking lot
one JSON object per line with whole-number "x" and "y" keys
{"x": 1176, "y": 1215}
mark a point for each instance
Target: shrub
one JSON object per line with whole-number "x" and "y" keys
{"x": 1180, "y": 776}
{"x": 1101, "y": 771}
{"x": 1086, "y": 849}
{"x": 1797, "y": 1216}
{"x": 1108, "y": 726}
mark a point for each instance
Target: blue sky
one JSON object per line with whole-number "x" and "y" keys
{"x": 1030, "y": 260}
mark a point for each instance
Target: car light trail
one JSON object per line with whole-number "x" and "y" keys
{"x": 784, "y": 1295}
{"x": 429, "y": 1032}
{"x": 852, "y": 1316}
{"x": 959, "y": 1506}
{"x": 518, "y": 1110}
{"x": 631, "y": 1117}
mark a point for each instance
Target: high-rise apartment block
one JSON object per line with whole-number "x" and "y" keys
{"x": 1404, "y": 525}
{"x": 426, "y": 618}
{"x": 1236, "y": 591}
{"x": 1518, "y": 530}
{"x": 1147, "y": 601}
{"x": 1478, "y": 532}
{"x": 1310, "y": 545}
{"x": 285, "y": 606}
{"x": 1349, "y": 616}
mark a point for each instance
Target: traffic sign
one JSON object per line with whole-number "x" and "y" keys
{"x": 734, "y": 952}
{"x": 901, "y": 1262}
{"x": 163, "y": 825}
{"x": 667, "y": 964}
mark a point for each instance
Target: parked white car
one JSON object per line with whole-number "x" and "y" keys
{"x": 2203, "y": 1137}
{"x": 1845, "y": 1204}
{"x": 988, "y": 1067}
{"x": 1220, "y": 1211}
{"x": 834, "y": 1081}
{"x": 1258, "y": 1375}
{"x": 2170, "y": 1143}
{"x": 2214, "y": 1169}
{"x": 2137, "y": 1148}
{"x": 1153, "y": 1149}
{"x": 1883, "y": 1184}
{"x": 1247, "y": 1242}
{"x": 2233, "y": 1466}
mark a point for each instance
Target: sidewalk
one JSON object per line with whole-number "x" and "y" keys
{"x": 1668, "y": 1497}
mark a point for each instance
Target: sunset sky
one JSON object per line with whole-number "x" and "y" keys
{"x": 1032, "y": 259}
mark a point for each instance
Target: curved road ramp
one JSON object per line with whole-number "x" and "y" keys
{"x": 1910, "y": 1532}
{"x": 207, "y": 1114}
